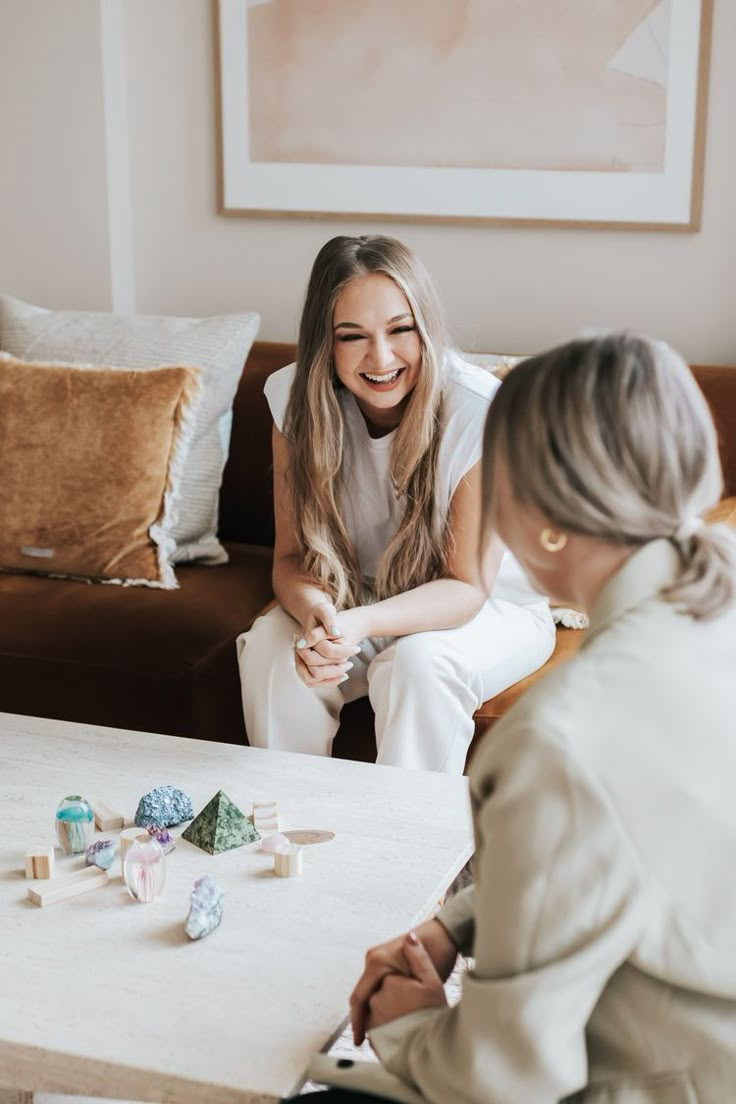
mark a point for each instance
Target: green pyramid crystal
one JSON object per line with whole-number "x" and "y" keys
{"x": 220, "y": 826}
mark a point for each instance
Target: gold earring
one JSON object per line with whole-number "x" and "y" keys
{"x": 552, "y": 541}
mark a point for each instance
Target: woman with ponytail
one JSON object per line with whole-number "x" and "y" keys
{"x": 376, "y": 445}
{"x": 602, "y": 920}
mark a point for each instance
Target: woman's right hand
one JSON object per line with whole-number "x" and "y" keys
{"x": 388, "y": 958}
{"x": 322, "y": 657}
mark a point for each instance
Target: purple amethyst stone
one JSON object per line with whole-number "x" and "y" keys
{"x": 162, "y": 836}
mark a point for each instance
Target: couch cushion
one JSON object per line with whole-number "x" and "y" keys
{"x": 217, "y": 345}
{"x": 155, "y": 660}
{"x": 719, "y": 387}
{"x": 246, "y": 498}
{"x": 91, "y": 461}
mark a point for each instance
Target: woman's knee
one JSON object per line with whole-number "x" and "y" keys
{"x": 414, "y": 657}
{"x": 270, "y": 638}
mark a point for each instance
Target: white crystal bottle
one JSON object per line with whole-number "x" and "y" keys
{"x": 144, "y": 870}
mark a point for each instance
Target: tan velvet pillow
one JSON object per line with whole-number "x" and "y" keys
{"x": 90, "y": 459}
{"x": 219, "y": 346}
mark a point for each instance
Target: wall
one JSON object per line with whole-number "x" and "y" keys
{"x": 506, "y": 289}
{"x": 54, "y": 246}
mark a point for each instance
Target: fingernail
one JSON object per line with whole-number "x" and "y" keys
{"x": 357, "y": 649}
{"x": 343, "y": 679}
{"x": 335, "y": 630}
{"x": 301, "y": 643}
{"x": 412, "y": 938}
{"x": 348, "y": 666}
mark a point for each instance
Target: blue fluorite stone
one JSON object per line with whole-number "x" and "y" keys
{"x": 100, "y": 853}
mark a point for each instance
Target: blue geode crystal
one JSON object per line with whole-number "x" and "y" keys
{"x": 205, "y": 909}
{"x": 163, "y": 808}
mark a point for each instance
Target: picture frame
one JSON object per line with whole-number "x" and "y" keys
{"x": 264, "y": 172}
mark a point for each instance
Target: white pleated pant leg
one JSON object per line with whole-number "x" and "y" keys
{"x": 424, "y": 688}
{"x": 280, "y": 711}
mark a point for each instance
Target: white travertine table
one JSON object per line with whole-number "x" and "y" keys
{"x": 103, "y": 996}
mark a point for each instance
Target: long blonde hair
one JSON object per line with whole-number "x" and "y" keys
{"x": 611, "y": 437}
{"x": 314, "y": 427}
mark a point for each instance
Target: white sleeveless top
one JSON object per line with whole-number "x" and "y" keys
{"x": 371, "y": 510}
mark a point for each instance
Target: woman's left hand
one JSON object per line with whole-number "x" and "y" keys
{"x": 399, "y": 995}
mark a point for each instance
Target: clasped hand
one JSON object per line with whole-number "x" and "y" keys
{"x": 402, "y": 976}
{"x": 327, "y": 643}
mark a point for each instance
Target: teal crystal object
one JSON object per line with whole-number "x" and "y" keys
{"x": 75, "y": 824}
{"x": 205, "y": 908}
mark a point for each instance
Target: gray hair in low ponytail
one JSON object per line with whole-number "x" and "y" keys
{"x": 707, "y": 585}
{"x": 610, "y": 436}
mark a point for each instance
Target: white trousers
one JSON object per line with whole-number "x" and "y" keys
{"x": 424, "y": 688}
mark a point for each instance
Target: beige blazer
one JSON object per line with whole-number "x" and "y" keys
{"x": 603, "y": 915}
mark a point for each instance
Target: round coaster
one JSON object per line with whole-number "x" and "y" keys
{"x": 308, "y": 835}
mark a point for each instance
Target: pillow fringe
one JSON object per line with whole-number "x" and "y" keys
{"x": 161, "y": 531}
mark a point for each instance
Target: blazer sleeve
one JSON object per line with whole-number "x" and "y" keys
{"x": 458, "y": 916}
{"x": 558, "y": 908}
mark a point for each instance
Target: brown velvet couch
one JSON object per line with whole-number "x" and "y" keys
{"x": 164, "y": 661}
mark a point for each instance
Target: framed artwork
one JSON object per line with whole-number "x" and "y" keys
{"x": 514, "y": 112}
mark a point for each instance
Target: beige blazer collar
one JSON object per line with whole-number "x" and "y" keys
{"x": 647, "y": 571}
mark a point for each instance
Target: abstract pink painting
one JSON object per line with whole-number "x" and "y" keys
{"x": 529, "y": 110}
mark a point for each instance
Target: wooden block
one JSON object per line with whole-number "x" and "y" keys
{"x": 287, "y": 861}
{"x": 309, "y": 835}
{"x": 81, "y": 881}
{"x": 266, "y": 817}
{"x": 40, "y": 862}
{"x": 128, "y": 836}
{"x": 107, "y": 816}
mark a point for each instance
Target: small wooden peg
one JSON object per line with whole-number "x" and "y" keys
{"x": 107, "y": 816}
{"x": 130, "y": 835}
{"x": 287, "y": 861}
{"x": 266, "y": 817}
{"x": 81, "y": 881}
{"x": 40, "y": 863}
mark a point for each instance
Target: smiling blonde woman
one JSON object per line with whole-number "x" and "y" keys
{"x": 376, "y": 446}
